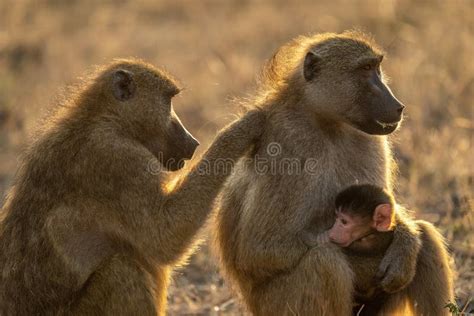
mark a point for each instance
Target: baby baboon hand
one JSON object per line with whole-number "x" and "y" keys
{"x": 396, "y": 272}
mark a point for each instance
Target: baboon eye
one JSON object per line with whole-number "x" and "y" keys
{"x": 367, "y": 67}
{"x": 343, "y": 221}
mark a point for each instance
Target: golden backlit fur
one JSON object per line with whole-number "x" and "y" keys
{"x": 88, "y": 227}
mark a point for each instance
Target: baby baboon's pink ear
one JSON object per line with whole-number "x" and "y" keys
{"x": 382, "y": 219}
{"x": 123, "y": 85}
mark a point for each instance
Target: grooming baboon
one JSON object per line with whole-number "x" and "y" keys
{"x": 364, "y": 227}
{"x": 329, "y": 110}
{"x": 90, "y": 226}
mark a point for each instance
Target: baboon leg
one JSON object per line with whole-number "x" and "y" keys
{"x": 432, "y": 287}
{"x": 321, "y": 284}
{"x": 371, "y": 308}
{"x": 121, "y": 287}
{"x": 396, "y": 304}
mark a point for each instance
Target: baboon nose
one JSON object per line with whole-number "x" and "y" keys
{"x": 400, "y": 109}
{"x": 192, "y": 144}
{"x": 195, "y": 143}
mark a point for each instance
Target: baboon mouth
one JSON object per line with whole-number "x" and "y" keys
{"x": 376, "y": 127}
{"x": 342, "y": 244}
{"x": 174, "y": 165}
{"x": 387, "y": 125}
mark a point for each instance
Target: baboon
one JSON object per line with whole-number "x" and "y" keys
{"x": 91, "y": 227}
{"x": 364, "y": 227}
{"x": 363, "y": 213}
{"x": 329, "y": 110}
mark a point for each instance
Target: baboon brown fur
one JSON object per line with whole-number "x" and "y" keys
{"x": 90, "y": 227}
{"x": 329, "y": 112}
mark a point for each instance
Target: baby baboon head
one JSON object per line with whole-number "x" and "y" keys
{"x": 343, "y": 80}
{"x": 138, "y": 98}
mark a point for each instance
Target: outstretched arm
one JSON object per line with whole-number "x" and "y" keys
{"x": 398, "y": 266}
{"x": 187, "y": 206}
{"x": 135, "y": 211}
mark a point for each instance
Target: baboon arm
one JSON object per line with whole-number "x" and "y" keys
{"x": 277, "y": 250}
{"x": 432, "y": 286}
{"x": 398, "y": 267}
{"x": 162, "y": 224}
{"x": 128, "y": 212}
{"x": 279, "y": 247}
{"x": 78, "y": 241}
{"x": 266, "y": 259}
{"x": 187, "y": 207}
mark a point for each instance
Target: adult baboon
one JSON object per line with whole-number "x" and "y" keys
{"x": 329, "y": 110}
{"x": 90, "y": 228}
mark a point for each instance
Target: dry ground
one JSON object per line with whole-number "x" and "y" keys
{"x": 217, "y": 47}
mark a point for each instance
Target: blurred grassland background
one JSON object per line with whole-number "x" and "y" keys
{"x": 216, "y": 48}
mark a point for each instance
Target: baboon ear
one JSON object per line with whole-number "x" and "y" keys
{"x": 383, "y": 217}
{"x": 311, "y": 65}
{"x": 123, "y": 85}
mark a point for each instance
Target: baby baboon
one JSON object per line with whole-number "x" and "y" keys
{"x": 364, "y": 227}
{"x": 362, "y": 211}
{"x": 328, "y": 113}
{"x": 90, "y": 228}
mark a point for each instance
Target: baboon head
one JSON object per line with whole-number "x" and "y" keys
{"x": 343, "y": 80}
{"x": 362, "y": 210}
{"x": 140, "y": 101}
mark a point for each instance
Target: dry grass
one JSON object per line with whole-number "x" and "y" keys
{"x": 217, "y": 47}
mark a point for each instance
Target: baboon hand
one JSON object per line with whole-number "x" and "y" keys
{"x": 396, "y": 272}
